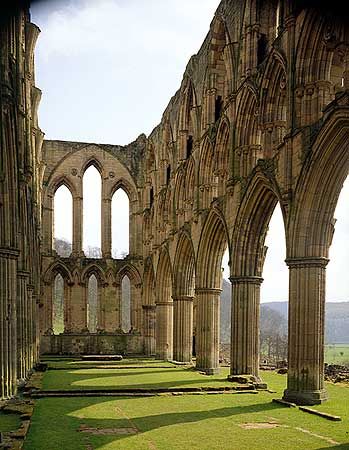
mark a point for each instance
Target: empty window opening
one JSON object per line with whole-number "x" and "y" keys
{"x": 92, "y": 186}
{"x": 189, "y": 146}
{"x": 58, "y": 305}
{"x": 120, "y": 224}
{"x": 168, "y": 174}
{"x": 218, "y": 107}
{"x": 63, "y": 221}
{"x": 126, "y": 304}
{"x": 151, "y": 196}
{"x": 92, "y": 304}
{"x": 262, "y": 48}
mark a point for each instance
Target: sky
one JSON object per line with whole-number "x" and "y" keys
{"x": 107, "y": 69}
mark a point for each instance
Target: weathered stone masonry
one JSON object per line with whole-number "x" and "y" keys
{"x": 261, "y": 117}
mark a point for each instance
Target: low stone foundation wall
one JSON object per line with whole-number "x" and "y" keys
{"x": 77, "y": 344}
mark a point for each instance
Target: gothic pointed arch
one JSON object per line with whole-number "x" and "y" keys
{"x": 58, "y": 267}
{"x": 213, "y": 242}
{"x": 184, "y": 266}
{"x": 93, "y": 269}
{"x": 131, "y": 271}
{"x": 319, "y": 187}
{"x": 251, "y": 226}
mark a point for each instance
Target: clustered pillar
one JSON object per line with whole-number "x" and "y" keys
{"x": 207, "y": 330}
{"x": 164, "y": 328}
{"x": 182, "y": 328}
{"x": 305, "y": 381}
{"x": 245, "y": 325}
{"x": 8, "y": 337}
{"x": 149, "y": 320}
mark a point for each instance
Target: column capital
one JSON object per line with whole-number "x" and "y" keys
{"x": 307, "y": 261}
{"x": 149, "y": 307}
{"x": 182, "y": 298}
{"x": 204, "y": 290}
{"x": 249, "y": 279}
{"x": 9, "y": 253}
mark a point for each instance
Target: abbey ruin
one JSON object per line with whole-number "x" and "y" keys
{"x": 261, "y": 117}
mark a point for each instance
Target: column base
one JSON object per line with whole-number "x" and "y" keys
{"x": 210, "y": 371}
{"x": 304, "y": 398}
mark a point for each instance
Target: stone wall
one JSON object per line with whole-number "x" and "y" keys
{"x": 92, "y": 344}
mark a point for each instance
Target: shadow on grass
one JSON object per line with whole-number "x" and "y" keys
{"x": 47, "y": 426}
{"x": 56, "y": 380}
{"x": 336, "y": 447}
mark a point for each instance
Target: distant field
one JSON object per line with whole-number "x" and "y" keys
{"x": 337, "y": 354}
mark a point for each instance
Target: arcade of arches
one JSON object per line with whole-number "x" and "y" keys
{"x": 261, "y": 117}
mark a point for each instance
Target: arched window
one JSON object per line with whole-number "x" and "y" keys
{"x": 125, "y": 304}
{"x": 92, "y": 304}
{"x": 63, "y": 221}
{"x": 120, "y": 224}
{"x": 92, "y": 187}
{"x": 58, "y": 305}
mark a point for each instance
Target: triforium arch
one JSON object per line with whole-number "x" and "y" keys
{"x": 183, "y": 298}
{"x": 133, "y": 275}
{"x": 310, "y": 236}
{"x": 248, "y": 254}
{"x": 164, "y": 307}
{"x": 47, "y": 311}
{"x": 214, "y": 241}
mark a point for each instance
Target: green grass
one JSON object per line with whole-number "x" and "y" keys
{"x": 205, "y": 422}
{"x": 9, "y": 422}
{"x": 132, "y": 378}
{"x": 73, "y": 363}
{"x": 337, "y": 354}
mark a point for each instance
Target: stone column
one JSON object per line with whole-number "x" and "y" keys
{"x": 164, "y": 330}
{"x": 30, "y": 327}
{"x": 106, "y": 227}
{"x": 47, "y": 226}
{"x": 245, "y": 325}
{"x": 183, "y": 328}
{"x": 77, "y": 226}
{"x": 305, "y": 378}
{"x": 207, "y": 330}
{"x": 8, "y": 329}
{"x": 149, "y": 321}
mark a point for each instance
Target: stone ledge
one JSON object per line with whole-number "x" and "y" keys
{"x": 321, "y": 414}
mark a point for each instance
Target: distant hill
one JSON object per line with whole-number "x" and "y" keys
{"x": 336, "y": 326}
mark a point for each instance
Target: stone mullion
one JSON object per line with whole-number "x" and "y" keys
{"x": 207, "y": 330}
{"x": 77, "y": 226}
{"x": 245, "y": 325}
{"x": 149, "y": 322}
{"x": 305, "y": 383}
{"x": 182, "y": 328}
{"x": 106, "y": 227}
{"x": 164, "y": 330}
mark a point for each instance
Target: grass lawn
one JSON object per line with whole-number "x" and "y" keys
{"x": 205, "y": 422}
{"x": 9, "y": 422}
{"x": 337, "y": 354}
{"x": 132, "y": 378}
